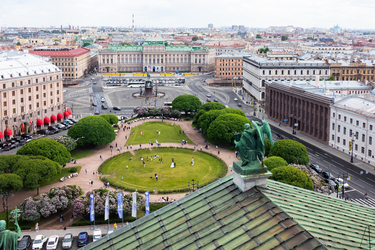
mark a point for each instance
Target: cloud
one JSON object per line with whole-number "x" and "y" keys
{"x": 194, "y": 13}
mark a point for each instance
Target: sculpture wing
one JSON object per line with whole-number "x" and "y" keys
{"x": 267, "y": 130}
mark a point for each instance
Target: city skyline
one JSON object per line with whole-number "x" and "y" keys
{"x": 196, "y": 14}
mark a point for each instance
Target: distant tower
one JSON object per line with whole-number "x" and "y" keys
{"x": 133, "y": 22}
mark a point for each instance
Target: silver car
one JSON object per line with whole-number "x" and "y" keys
{"x": 67, "y": 242}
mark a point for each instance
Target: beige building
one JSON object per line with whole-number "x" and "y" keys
{"x": 30, "y": 94}
{"x": 156, "y": 56}
{"x": 74, "y": 63}
{"x": 228, "y": 66}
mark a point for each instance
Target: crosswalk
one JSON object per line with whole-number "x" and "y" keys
{"x": 370, "y": 202}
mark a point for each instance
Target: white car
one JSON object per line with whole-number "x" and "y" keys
{"x": 235, "y": 99}
{"x": 52, "y": 242}
{"x": 67, "y": 241}
{"x": 340, "y": 181}
{"x": 39, "y": 242}
{"x": 97, "y": 234}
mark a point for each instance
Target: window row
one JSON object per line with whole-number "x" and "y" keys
{"x": 293, "y": 72}
{"x": 21, "y": 83}
{"x": 357, "y": 123}
{"x": 22, "y": 109}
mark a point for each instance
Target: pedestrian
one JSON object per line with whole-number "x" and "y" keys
{"x": 201, "y": 148}
{"x": 218, "y": 152}
{"x": 131, "y": 147}
{"x": 229, "y": 156}
{"x": 108, "y": 184}
{"x": 111, "y": 152}
{"x": 366, "y": 196}
{"x": 216, "y": 147}
{"x": 115, "y": 226}
{"x": 92, "y": 183}
{"x": 144, "y": 164}
{"x": 61, "y": 218}
{"x": 192, "y": 161}
{"x": 131, "y": 158}
{"x": 127, "y": 146}
{"x": 86, "y": 171}
{"x": 140, "y": 145}
{"x": 159, "y": 132}
{"x": 89, "y": 181}
{"x": 151, "y": 157}
{"x": 101, "y": 158}
{"x": 93, "y": 172}
{"x": 161, "y": 160}
{"x": 120, "y": 147}
{"x": 172, "y": 159}
{"x": 37, "y": 227}
{"x": 116, "y": 144}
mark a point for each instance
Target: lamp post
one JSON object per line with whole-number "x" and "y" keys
{"x": 344, "y": 176}
{"x": 5, "y": 196}
{"x": 193, "y": 184}
{"x": 294, "y": 132}
{"x": 351, "y": 148}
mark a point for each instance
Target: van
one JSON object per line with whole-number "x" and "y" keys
{"x": 97, "y": 234}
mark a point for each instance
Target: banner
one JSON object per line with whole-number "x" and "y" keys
{"x": 92, "y": 204}
{"x": 119, "y": 205}
{"x": 147, "y": 203}
{"x": 106, "y": 214}
{"x": 134, "y": 206}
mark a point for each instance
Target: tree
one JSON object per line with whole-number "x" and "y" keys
{"x": 291, "y": 151}
{"x": 68, "y": 142}
{"x": 225, "y": 126}
{"x": 92, "y": 131}
{"x": 111, "y": 119}
{"x": 274, "y": 162}
{"x": 268, "y": 147}
{"x": 186, "y": 103}
{"x": 284, "y": 38}
{"x": 195, "y": 38}
{"x": 206, "y": 107}
{"x": 258, "y": 36}
{"x": 10, "y": 183}
{"x": 48, "y": 148}
{"x": 292, "y": 176}
{"x": 331, "y": 78}
{"x": 86, "y": 44}
{"x": 370, "y": 40}
{"x": 208, "y": 117}
{"x": 18, "y": 44}
{"x": 235, "y": 111}
{"x": 35, "y": 169}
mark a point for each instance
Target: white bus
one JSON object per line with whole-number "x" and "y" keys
{"x": 136, "y": 84}
{"x": 168, "y": 104}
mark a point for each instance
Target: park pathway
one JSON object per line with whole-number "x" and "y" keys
{"x": 92, "y": 162}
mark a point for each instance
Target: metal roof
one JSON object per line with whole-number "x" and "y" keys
{"x": 218, "y": 216}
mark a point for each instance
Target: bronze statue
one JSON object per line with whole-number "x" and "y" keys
{"x": 8, "y": 239}
{"x": 251, "y": 145}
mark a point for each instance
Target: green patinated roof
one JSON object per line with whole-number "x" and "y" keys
{"x": 119, "y": 48}
{"x": 220, "y": 216}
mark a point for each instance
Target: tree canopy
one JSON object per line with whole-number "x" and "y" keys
{"x": 111, "y": 119}
{"x": 274, "y": 162}
{"x": 207, "y": 107}
{"x": 48, "y": 148}
{"x": 92, "y": 131}
{"x": 186, "y": 103}
{"x": 291, "y": 151}
{"x": 292, "y": 176}
{"x": 284, "y": 38}
{"x": 10, "y": 183}
{"x": 195, "y": 38}
{"x": 208, "y": 117}
{"x": 225, "y": 126}
{"x": 32, "y": 170}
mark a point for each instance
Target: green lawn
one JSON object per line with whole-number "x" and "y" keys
{"x": 64, "y": 172}
{"x": 79, "y": 153}
{"x": 168, "y": 133}
{"x": 206, "y": 169}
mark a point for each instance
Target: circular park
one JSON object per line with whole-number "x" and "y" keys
{"x": 162, "y": 170}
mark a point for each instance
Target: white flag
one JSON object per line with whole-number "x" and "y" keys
{"x": 134, "y": 206}
{"x": 106, "y": 215}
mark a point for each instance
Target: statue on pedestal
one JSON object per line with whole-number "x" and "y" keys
{"x": 251, "y": 145}
{"x": 8, "y": 239}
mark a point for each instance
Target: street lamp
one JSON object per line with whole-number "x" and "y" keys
{"x": 351, "y": 147}
{"x": 193, "y": 184}
{"x": 344, "y": 176}
{"x": 5, "y": 197}
{"x": 294, "y": 132}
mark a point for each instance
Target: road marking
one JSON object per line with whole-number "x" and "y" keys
{"x": 370, "y": 179}
{"x": 365, "y": 182}
{"x": 338, "y": 163}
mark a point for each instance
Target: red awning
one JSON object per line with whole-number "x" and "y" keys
{"x": 60, "y": 116}
{"x": 53, "y": 118}
{"x": 39, "y": 122}
{"x": 8, "y": 132}
{"x": 68, "y": 112}
{"x": 46, "y": 120}
{"x": 1, "y": 135}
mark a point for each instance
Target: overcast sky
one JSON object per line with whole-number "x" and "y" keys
{"x": 348, "y": 14}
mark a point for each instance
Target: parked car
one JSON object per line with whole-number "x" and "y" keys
{"x": 235, "y": 99}
{"x": 25, "y": 243}
{"x": 67, "y": 242}
{"x": 328, "y": 175}
{"x": 208, "y": 99}
{"x": 239, "y": 104}
{"x": 332, "y": 183}
{"x": 208, "y": 95}
{"x": 39, "y": 242}
{"x": 52, "y": 242}
{"x": 10, "y": 147}
{"x": 67, "y": 125}
{"x": 104, "y": 106}
{"x": 61, "y": 126}
{"x": 316, "y": 167}
{"x": 117, "y": 108}
{"x": 216, "y": 100}
{"x": 83, "y": 238}
{"x": 53, "y": 129}
{"x": 97, "y": 234}
{"x": 26, "y": 136}
{"x": 69, "y": 122}
{"x": 73, "y": 120}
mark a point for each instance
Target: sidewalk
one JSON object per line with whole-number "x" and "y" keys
{"x": 92, "y": 163}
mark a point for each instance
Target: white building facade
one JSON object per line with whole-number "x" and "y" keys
{"x": 353, "y": 119}
{"x": 31, "y": 94}
{"x": 257, "y": 71}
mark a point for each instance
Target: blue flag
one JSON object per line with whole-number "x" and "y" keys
{"x": 92, "y": 204}
{"x": 106, "y": 214}
{"x": 147, "y": 203}
{"x": 119, "y": 205}
{"x": 134, "y": 205}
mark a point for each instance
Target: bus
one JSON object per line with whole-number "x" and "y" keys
{"x": 136, "y": 84}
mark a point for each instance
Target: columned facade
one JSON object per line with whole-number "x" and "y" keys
{"x": 307, "y": 112}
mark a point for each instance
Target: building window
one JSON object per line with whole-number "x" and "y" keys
{"x": 344, "y": 130}
{"x": 333, "y": 126}
{"x": 362, "y": 150}
{"x": 338, "y": 139}
{"x": 29, "y": 98}
{"x": 4, "y": 95}
{"x": 357, "y": 123}
{"x": 351, "y": 121}
{"x": 44, "y": 103}
{"x": 14, "y": 111}
{"x": 369, "y": 152}
{"x": 344, "y": 142}
{"x": 22, "y": 100}
{"x": 371, "y": 127}
{"x": 13, "y": 101}
{"x": 364, "y": 125}
{"x": 333, "y": 137}
{"x": 356, "y": 147}
{"x": 344, "y": 118}
{"x": 370, "y": 140}
{"x": 37, "y": 104}
{"x": 5, "y": 113}
{"x": 5, "y": 104}
{"x": 339, "y": 117}
{"x": 37, "y": 88}
{"x": 13, "y": 93}
{"x": 363, "y": 137}
{"x": 44, "y": 87}
{"x": 338, "y": 128}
